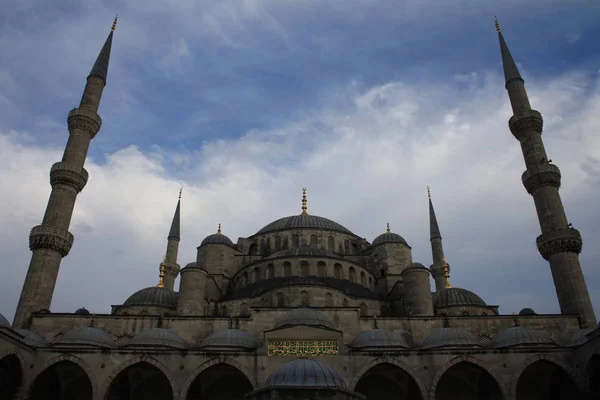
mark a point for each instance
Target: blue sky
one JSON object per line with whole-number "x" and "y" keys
{"x": 245, "y": 102}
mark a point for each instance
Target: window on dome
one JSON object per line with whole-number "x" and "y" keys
{"x": 244, "y": 310}
{"x": 363, "y": 278}
{"x": 337, "y": 271}
{"x": 370, "y": 283}
{"x": 287, "y": 269}
{"x": 313, "y": 241}
{"x": 295, "y": 241}
{"x": 321, "y": 269}
{"x": 346, "y": 246}
{"x": 280, "y": 299}
{"x": 252, "y": 249}
{"x": 245, "y": 278}
{"x": 270, "y": 271}
{"x": 263, "y": 248}
{"x": 304, "y": 298}
{"x": 268, "y": 248}
{"x": 352, "y": 273}
{"x": 331, "y": 243}
{"x": 284, "y": 243}
{"x": 277, "y": 243}
{"x": 304, "y": 269}
{"x": 363, "y": 310}
{"x": 256, "y": 275}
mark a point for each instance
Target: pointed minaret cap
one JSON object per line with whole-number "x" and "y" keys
{"x": 434, "y": 229}
{"x": 510, "y": 68}
{"x": 100, "y": 68}
{"x": 175, "y": 231}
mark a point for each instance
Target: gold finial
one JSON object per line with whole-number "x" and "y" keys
{"x": 497, "y": 24}
{"x": 219, "y": 229}
{"x": 114, "y": 25}
{"x": 446, "y": 269}
{"x": 180, "y": 190}
{"x": 388, "y": 228}
{"x": 304, "y": 207}
{"x": 428, "y": 192}
{"x": 161, "y": 278}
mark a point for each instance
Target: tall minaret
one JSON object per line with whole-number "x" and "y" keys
{"x": 559, "y": 243}
{"x": 437, "y": 251}
{"x": 51, "y": 241}
{"x": 171, "y": 269}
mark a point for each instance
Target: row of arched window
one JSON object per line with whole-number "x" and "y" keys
{"x": 279, "y": 301}
{"x": 266, "y": 246}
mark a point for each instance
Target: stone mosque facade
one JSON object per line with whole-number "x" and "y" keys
{"x": 302, "y": 309}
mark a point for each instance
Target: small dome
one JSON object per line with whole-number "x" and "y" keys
{"x": 450, "y": 337}
{"x": 389, "y": 237}
{"x": 4, "y": 322}
{"x": 229, "y": 338}
{"x": 191, "y": 265}
{"x": 158, "y": 337}
{"x": 378, "y": 338}
{"x": 89, "y": 336}
{"x": 153, "y": 296}
{"x": 304, "y": 221}
{"x": 217, "y": 238}
{"x": 303, "y": 252}
{"x": 527, "y": 312}
{"x": 31, "y": 338}
{"x": 521, "y": 336}
{"x": 304, "y": 316}
{"x": 305, "y": 373}
{"x": 82, "y": 311}
{"x": 457, "y": 297}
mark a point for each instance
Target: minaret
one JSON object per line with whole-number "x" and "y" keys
{"x": 51, "y": 241}
{"x": 170, "y": 264}
{"x": 437, "y": 251}
{"x": 559, "y": 243}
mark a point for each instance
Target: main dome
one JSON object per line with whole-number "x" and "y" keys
{"x": 304, "y": 221}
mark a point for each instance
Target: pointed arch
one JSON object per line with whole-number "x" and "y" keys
{"x": 210, "y": 363}
{"x": 12, "y": 371}
{"x": 67, "y": 358}
{"x": 393, "y": 361}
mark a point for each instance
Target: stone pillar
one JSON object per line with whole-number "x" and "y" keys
{"x": 192, "y": 286}
{"x": 417, "y": 290}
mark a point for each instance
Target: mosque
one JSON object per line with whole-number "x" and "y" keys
{"x": 302, "y": 309}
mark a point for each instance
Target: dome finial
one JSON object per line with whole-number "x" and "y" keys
{"x": 446, "y": 269}
{"x": 388, "y": 228}
{"x": 428, "y": 192}
{"x": 180, "y": 190}
{"x": 219, "y": 229}
{"x": 304, "y": 201}
{"x": 114, "y": 25}
{"x": 497, "y": 24}
{"x": 161, "y": 276}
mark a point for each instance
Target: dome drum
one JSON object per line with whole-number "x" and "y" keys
{"x": 157, "y": 337}
{"x": 378, "y": 339}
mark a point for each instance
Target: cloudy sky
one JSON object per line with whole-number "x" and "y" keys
{"x": 242, "y": 103}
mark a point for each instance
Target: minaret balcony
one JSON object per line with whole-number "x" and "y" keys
{"x": 540, "y": 175}
{"x": 51, "y": 237}
{"x": 84, "y": 119}
{"x": 559, "y": 241}
{"x": 528, "y": 121}
{"x": 64, "y": 173}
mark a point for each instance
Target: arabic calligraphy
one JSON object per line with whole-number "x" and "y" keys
{"x": 303, "y": 348}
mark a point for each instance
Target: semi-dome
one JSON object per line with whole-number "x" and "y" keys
{"x": 153, "y": 296}
{"x": 229, "y": 338}
{"x": 450, "y": 337}
{"x": 378, "y": 338}
{"x": 304, "y": 316}
{"x": 527, "y": 312}
{"x": 89, "y": 336}
{"x": 457, "y": 297}
{"x": 4, "y": 322}
{"x": 158, "y": 337}
{"x": 82, "y": 311}
{"x": 217, "y": 238}
{"x": 303, "y": 252}
{"x": 31, "y": 338}
{"x": 389, "y": 237}
{"x": 305, "y": 373}
{"x": 521, "y": 336}
{"x": 304, "y": 221}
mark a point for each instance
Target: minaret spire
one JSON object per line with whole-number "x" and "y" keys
{"x": 437, "y": 250}
{"x": 304, "y": 201}
{"x": 171, "y": 268}
{"x": 559, "y": 243}
{"x": 51, "y": 241}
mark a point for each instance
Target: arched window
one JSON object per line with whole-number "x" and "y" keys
{"x": 279, "y": 299}
{"x": 268, "y": 246}
{"x": 277, "y": 243}
{"x": 284, "y": 243}
{"x": 337, "y": 271}
{"x": 313, "y": 241}
{"x": 331, "y": 243}
{"x": 295, "y": 241}
{"x": 363, "y": 310}
{"x": 352, "y": 273}
{"x": 263, "y": 248}
{"x": 252, "y": 249}
{"x": 346, "y": 246}
{"x": 224, "y": 311}
{"x": 256, "y": 275}
{"x": 363, "y": 278}
{"x": 328, "y": 300}
{"x": 244, "y": 310}
{"x": 321, "y": 269}
{"x": 245, "y": 278}
{"x": 370, "y": 283}
{"x": 287, "y": 269}
{"x": 304, "y": 268}
{"x": 304, "y": 298}
{"x": 270, "y": 271}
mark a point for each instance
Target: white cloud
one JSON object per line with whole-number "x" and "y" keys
{"x": 363, "y": 166}
{"x": 572, "y": 37}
